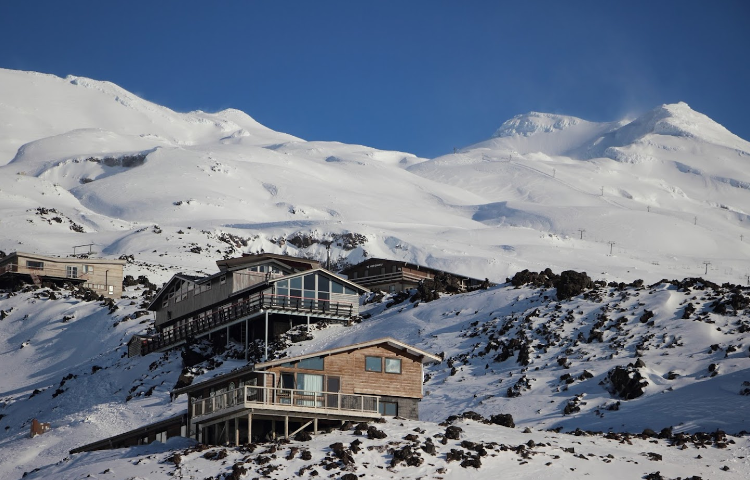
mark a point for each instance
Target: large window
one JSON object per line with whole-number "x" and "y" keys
{"x": 388, "y": 408}
{"x": 374, "y": 364}
{"x": 71, "y": 272}
{"x": 392, "y": 365}
{"x": 34, "y": 264}
{"x": 315, "y": 363}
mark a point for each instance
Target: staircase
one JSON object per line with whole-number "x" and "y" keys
{"x": 36, "y": 279}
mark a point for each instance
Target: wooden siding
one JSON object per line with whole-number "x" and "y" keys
{"x": 101, "y": 276}
{"x": 189, "y": 301}
{"x": 350, "y": 367}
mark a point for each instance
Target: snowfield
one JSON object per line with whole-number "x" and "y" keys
{"x": 663, "y": 198}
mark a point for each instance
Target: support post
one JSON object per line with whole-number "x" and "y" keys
{"x": 249, "y": 428}
{"x": 308, "y": 323}
{"x": 236, "y": 430}
{"x": 265, "y": 354}
{"x": 247, "y": 343}
{"x": 315, "y": 426}
{"x": 226, "y": 431}
{"x": 286, "y": 427}
{"x": 227, "y": 336}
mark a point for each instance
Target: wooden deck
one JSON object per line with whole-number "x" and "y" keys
{"x": 240, "y": 309}
{"x": 284, "y": 402}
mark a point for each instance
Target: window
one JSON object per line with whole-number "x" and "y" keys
{"x": 88, "y": 269}
{"x": 392, "y": 365}
{"x": 309, "y": 282}
{"x": 336, "y": 287}
{"x": 388, "y": 408}
{"x": 392, "y": 288}
{"x": 71, "y": 272}
{"x": 315, "y": 363}
{"x": 34, "y": 264}
{"x": 373, "y": 364}
{"x": 223, "y": 279}
{"x": 111, "y": 289}
{"x": 349, "y": 291}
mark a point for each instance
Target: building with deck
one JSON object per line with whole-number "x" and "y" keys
{"x": 279, "y": 398}
{"x": 395, "y": 275}
{"x": 104, "y": 276}
{"x": 251, "y": 297}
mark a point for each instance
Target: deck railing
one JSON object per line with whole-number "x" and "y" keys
{"x": 295, "y": 400}
{"x": 391, "y": 277}
{"x": 236, "y": 310}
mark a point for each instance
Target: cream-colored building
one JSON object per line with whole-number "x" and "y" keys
{"x": 104, "y": 276}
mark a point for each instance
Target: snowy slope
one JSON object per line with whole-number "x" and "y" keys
{"x": 116, "y": 165}
{"x": 666, "y": 195}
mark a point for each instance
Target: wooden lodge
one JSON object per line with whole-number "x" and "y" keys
{"x": 104, "y": 276}
{"x": 280, "y": 398}
{"x": 394, "y": 275}
{"x": 251, "y": 297}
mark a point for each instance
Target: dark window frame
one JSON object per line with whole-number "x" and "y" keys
{"x": 380, "y": 363}
{"x": 385, "y": 368}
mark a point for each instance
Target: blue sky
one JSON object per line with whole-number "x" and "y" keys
{"x": 416, "y": 76}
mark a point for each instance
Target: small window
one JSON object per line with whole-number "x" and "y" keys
{"x": 349, "y": 291}
{"x": 374, "y": 364}
{"x": 71, "y": 272}
{"x": 315, "y": 363}
{"x": 34, "y": 264}
{"x": 336, "y": 287}
{"x": 309, "y": 282}
{"x": 223, "y": 279}
{"x": 392, "y": 365}
{"x": 287, "y": 365}
{"x": 111, "y": 289}
{"x": 88, "y": 269}
{"x": 388, "y": 408}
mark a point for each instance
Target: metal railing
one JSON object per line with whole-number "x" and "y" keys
{"x": 297, "y": 400}
{"x": 390, "y": 277}
{"x": 239, "y": 308}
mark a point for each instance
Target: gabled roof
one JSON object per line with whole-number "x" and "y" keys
{"x": 425, "y": 357}
{"x": 293, "y": 263}
{"x": 359, "y": 288}
{"x": 178, "y": 276}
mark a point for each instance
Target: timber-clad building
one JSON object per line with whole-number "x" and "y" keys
{"x": 251, "y": 297}
{"x": 102, "y": 275}
{"x": 279, "y": 398}
{"x": 396, "y": 275}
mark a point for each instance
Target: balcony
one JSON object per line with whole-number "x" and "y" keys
{"x": 239, "y": 309}
{"x": 283, "y": 401}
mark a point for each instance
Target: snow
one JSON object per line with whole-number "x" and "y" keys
{"x": 665, "y": 195}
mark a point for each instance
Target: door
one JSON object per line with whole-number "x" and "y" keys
{"x": 333, "y": 387}
{"x": 311, "y": 387}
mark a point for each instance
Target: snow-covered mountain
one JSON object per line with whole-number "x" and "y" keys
{"x": 118, "y": 165}
{"x": 662, "y": 196}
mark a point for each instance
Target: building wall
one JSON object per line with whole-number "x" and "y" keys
{"x": 189, "y": 299}
{"x": 350, "y": 366}
{"x": 102, "y": 276}
{"x": 407, "y": 407}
